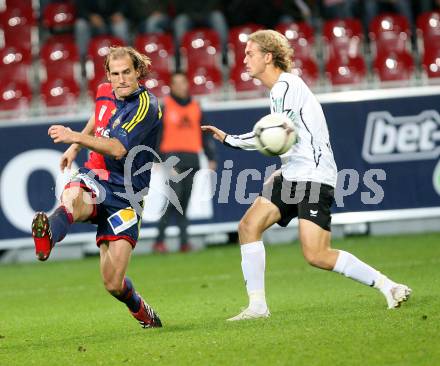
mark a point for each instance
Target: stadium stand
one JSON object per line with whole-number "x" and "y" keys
{"x": 159, "y": 47}
{"x": 37, "y": 45}
{"x": 201, "y": 48}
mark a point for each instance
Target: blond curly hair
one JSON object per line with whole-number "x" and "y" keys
{"x": 275, "y": 43}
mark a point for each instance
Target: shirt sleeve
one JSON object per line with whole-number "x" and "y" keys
{"x": 133, "y": 130}
{"x": 244, "y": 142}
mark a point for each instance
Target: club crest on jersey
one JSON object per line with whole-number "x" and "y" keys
{"x": 116, "y": 123}
{"x": 122, "y": 220}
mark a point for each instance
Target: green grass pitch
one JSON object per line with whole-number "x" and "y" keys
{"x": 58, "y": 313}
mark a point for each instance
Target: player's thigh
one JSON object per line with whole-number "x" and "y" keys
{"x": 315, "y": 216}
{"x": 312, "y": 237}
{"x": 261, "y": 215}
{"x": 79, "y": 201}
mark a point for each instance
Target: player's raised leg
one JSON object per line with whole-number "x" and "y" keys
{"x": 315, "y": 243}
{"x": 115, "y": 256}
{"x": 47, "y": 230}
{"x": 261, "y": 215}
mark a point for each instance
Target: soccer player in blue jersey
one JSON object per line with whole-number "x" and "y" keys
{"x": 113, "y": 204}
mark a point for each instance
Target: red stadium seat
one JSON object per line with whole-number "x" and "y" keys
{"x": 431, "y": 62}
{"x": 429, "y": 23}
{"x": 394, "y": 66}
{"x": 238, "y": 37}
{"x": 60, "y": 92}
{"x": 392, "y": 42}
{"x": 60, "y": 58}
{"x": 344, "y": 70}
{"x": 296, "y": 30}
{"x": 306, "y": 69}
{"x": 300, "y": 37}
{"x": 159, "y": 48}
{"x": 334, "y": 29}
{"x": 204, "y": 80}
{"x": 59, "y": 48}
{"x": 98, "y": 49}
{"x": 59, "y": 15}
{"x": 390, "y": 32}
{"x": 14, "y": 95}
{"x": 428, "y": 30}
{"x": 17, "y": 23}
{"x": 93, "y": 84}
{"x": 158, "y": 83}
{"x": 99, "y": 46}
{"x": 14, "y": 65}
{"x": 14, "y": 55}
{"x": 201, "y": 47}
{"x": 20, "y": 4}
{"x": 343, "y": 37}
{"x": 241, "y": 80}
{"x": 17, "y": 14}
{"x": 383, "y": 23}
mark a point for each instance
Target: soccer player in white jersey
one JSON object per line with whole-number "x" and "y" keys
{"x": 304, "y": 186}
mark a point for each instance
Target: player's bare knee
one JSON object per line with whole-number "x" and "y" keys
{"x": 71, "y": 198}
{"x": 68, "y": 196}
{"x": 315, "y": 258}
{"x": 113, "y": 287}
{"x": 246, "y": 227}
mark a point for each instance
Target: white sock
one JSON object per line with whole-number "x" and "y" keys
{"x": 352, "y": 267}
{"x": 253, "y": 263}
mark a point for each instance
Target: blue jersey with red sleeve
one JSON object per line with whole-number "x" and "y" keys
{"x": 136, "y": 123}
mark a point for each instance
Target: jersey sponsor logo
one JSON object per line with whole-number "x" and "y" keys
{"x": 389, "y": 139}
{"x": 122, "y": 220}
{"x": 102, "y": 131}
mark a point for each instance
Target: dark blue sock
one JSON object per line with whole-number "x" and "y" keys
{"x": 129, "y": 296}
{"x": 59, "y": 223}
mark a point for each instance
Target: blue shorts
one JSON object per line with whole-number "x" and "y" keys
{"x": 113, "y": 215}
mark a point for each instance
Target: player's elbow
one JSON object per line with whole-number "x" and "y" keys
{"x": 118, "y": 150}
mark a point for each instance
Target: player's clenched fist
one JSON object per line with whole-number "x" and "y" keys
{"x": 60, "y": 133}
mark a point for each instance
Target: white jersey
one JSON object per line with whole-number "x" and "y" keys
{"x": 311, "y": 158}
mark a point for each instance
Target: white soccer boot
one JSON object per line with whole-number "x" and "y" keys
{"x": 248, "y": 313}
{"x": 396, "y": 295}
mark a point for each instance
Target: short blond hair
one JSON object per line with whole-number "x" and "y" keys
{"x": 141, "y": 62}
{"x": 275, "y": 43}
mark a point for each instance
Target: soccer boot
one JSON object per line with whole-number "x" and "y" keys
{"x": 396, "y": 295}
{"x": 247, "y": 314}
{"x": 146, "y": 316}
{"x": 185, "y": 248}
{"x": 160, "y": 247}
{"x": 42, "y": 236}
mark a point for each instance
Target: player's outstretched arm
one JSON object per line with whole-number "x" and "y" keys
{"x": 245, "y": 141}
{"x": 106, "y": 146}
{"x": 216, "y": 132}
